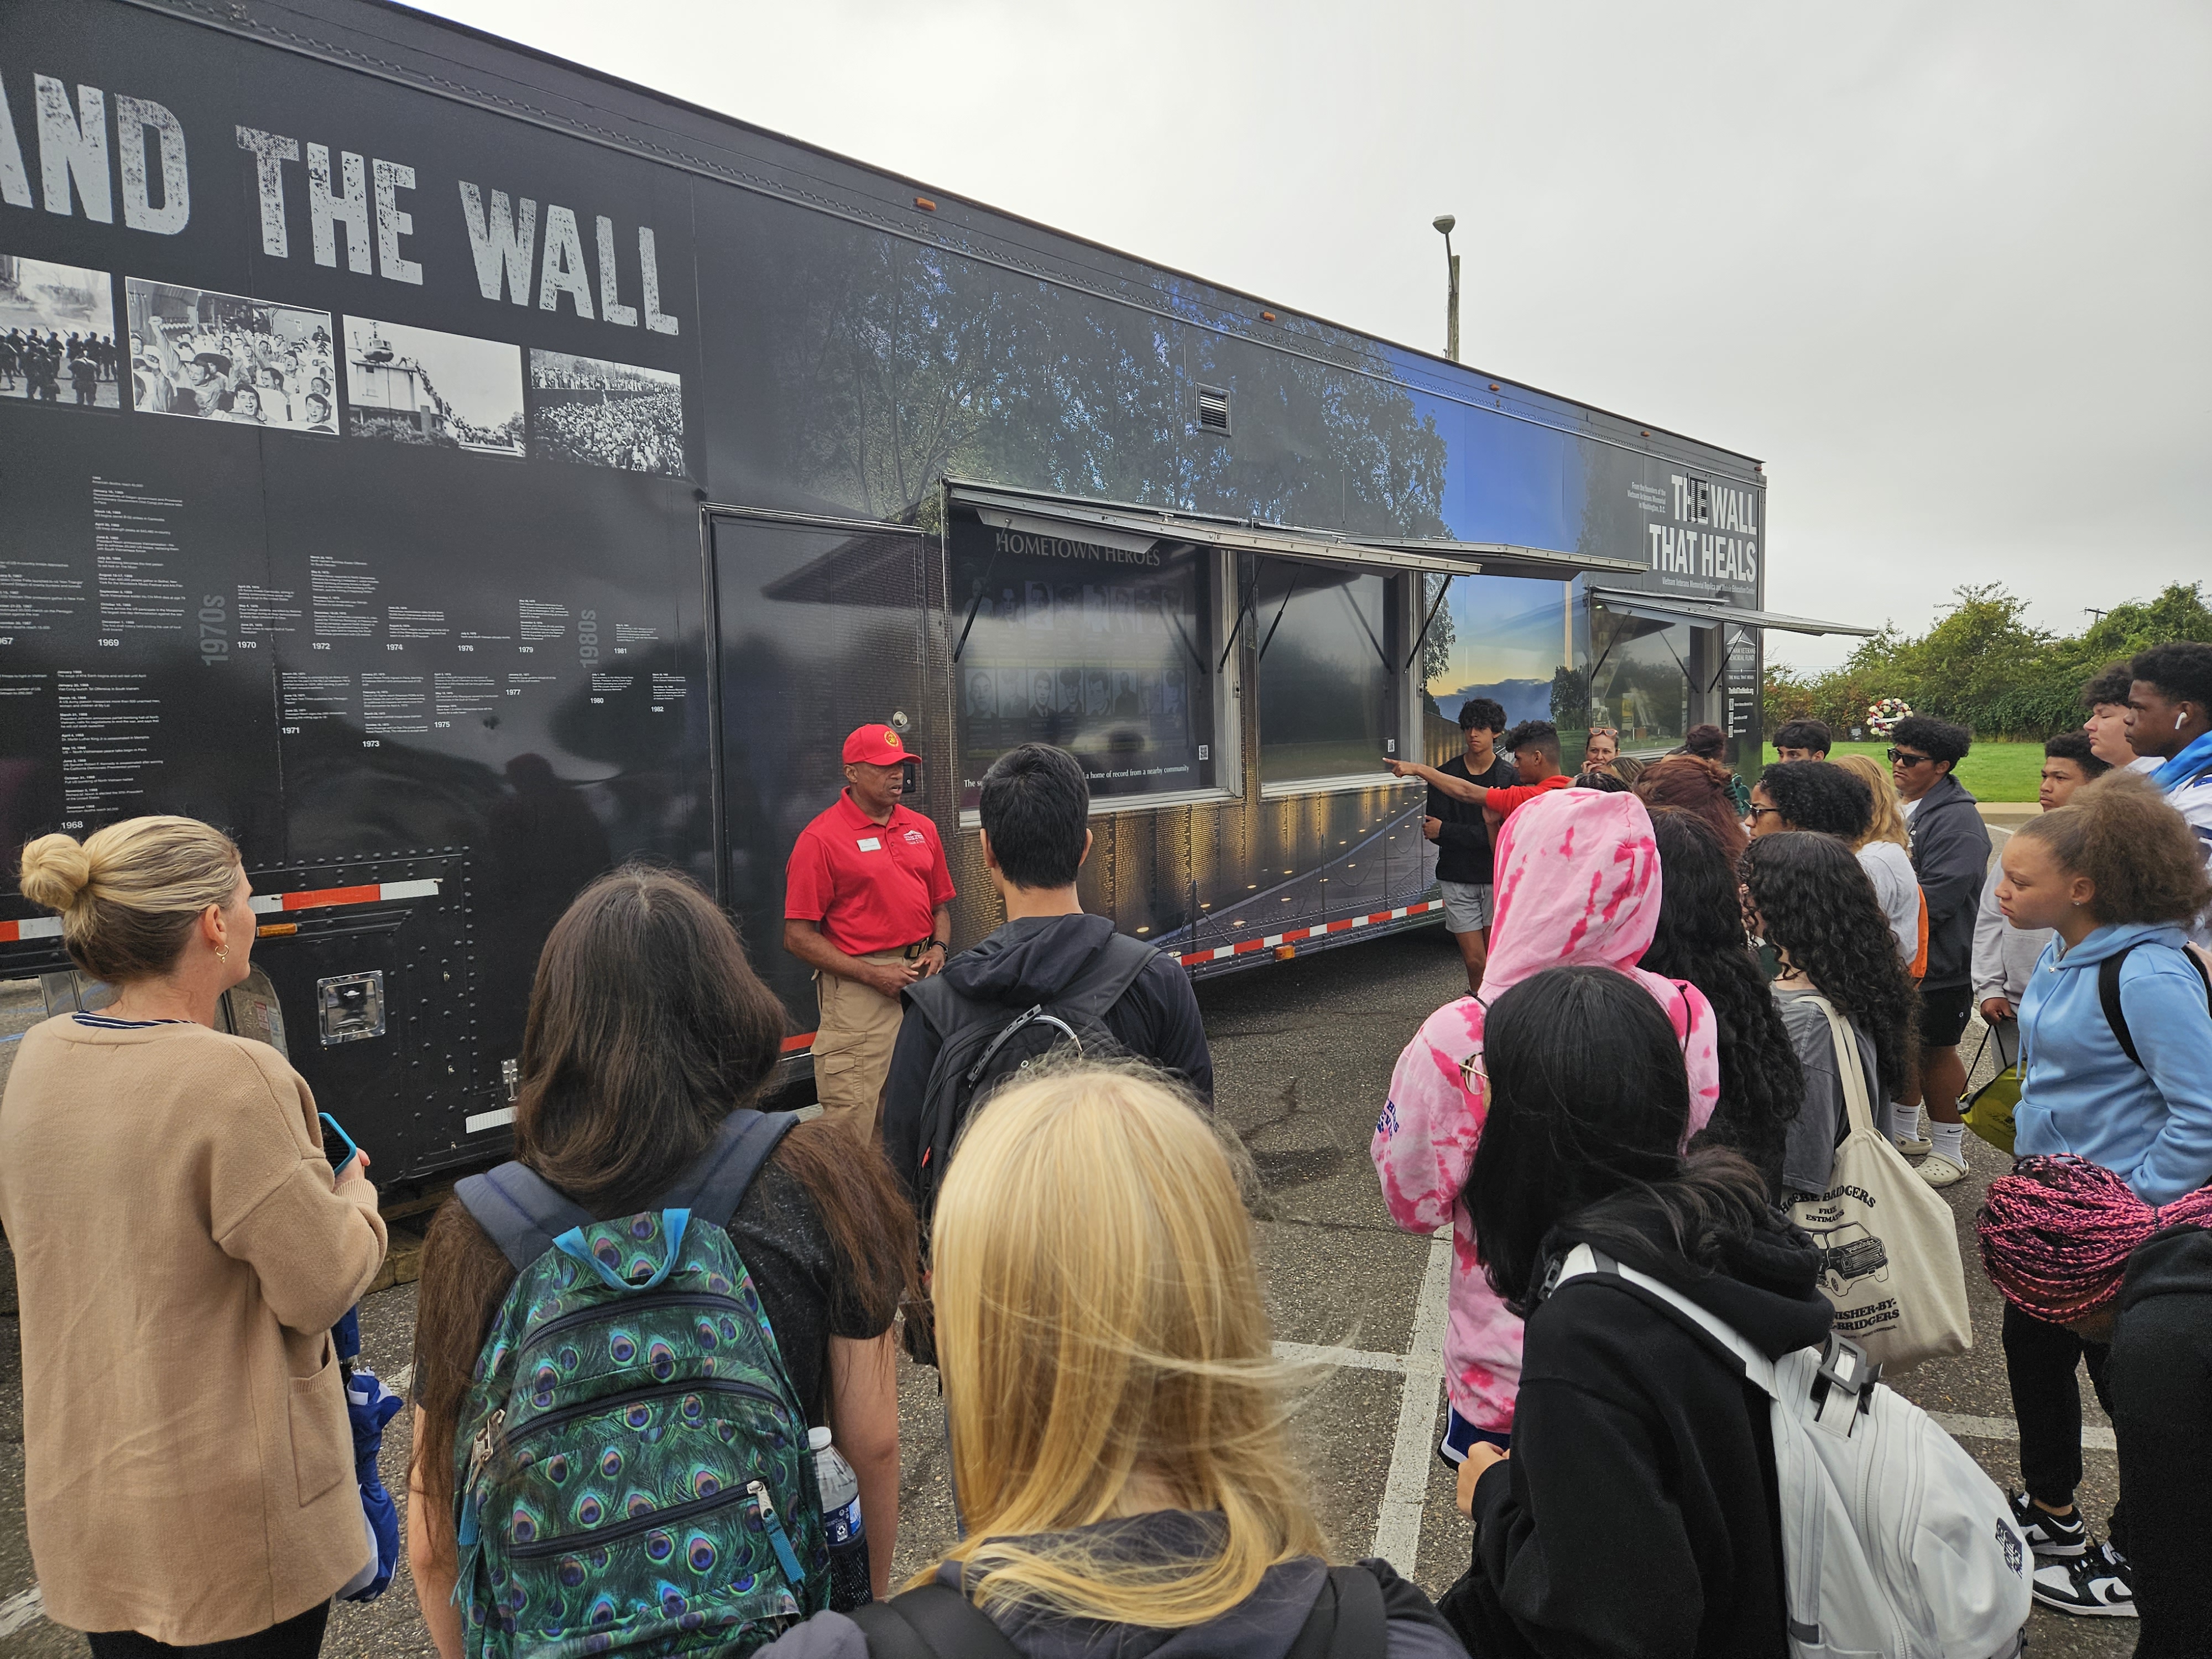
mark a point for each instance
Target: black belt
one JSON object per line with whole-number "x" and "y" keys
{"x": 913, "y": 952}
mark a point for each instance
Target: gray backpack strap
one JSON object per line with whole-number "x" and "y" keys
{"x": 1120, "y": 962}
{"x": 714, "y": 1187}
{"x": 1348, "y": 1619}
{"x": 519, "y": 1209}
{"x": 931, "y": 1621}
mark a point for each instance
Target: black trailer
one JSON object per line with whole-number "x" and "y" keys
{"x": 491, "y": 472}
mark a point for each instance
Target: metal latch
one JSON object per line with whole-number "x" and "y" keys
{"x": 350, "y": 1006}
{"x": 510, "y": 1073}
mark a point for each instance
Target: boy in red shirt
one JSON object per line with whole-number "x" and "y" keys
{"x": 1535, "y": 749}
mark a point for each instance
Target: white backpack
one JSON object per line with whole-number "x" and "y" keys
{"x": 1893, "y": 1541}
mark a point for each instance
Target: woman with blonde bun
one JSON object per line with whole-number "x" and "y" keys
{"x": 182, "y": 1248}
{"x": 1114, "y": 1412}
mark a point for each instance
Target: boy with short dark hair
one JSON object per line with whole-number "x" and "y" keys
{"x": 1806, "y": 739}
{"x": 1035, "y": 803}
{"x": 1461, "y": 833}
{"x": 2170, "y": 722}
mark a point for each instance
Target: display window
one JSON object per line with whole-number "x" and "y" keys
{"x": 1101, "y": 650}
{"x": 1330, "y": 680}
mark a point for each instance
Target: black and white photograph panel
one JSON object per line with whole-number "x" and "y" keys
{"x": 58, "y": 335}
{"x": 212, "y": 357}
{"x": 418, "y": 386}
{"x": 604, "y": 414}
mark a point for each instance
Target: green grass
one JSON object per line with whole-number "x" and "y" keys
{"x": 1992, "y": 771}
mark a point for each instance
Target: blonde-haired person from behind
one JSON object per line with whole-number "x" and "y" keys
{"x": 182, "y": 1248}
{"x": 1885, "y": 853}
{"x": 1114, "y": 1412}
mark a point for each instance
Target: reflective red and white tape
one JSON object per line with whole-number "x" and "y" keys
{"x": 323, "y": 898}
{"x": 1291, "y": 935}
{"x": 264, "y": 904}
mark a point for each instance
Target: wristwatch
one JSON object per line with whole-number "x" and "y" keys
{"x": 935, "y": 945}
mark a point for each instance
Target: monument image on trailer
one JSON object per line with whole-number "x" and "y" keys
{"x": 419, "y": 385}
{"x": 57, "y": 334}
{"x": 215, "y": 356}
{"x": 603, "y": 414}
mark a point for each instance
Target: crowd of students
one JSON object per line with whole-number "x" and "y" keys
{"x": 1673, "y": 1015}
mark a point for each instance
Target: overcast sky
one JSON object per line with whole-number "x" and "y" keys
{"x": 1946, "y": 269}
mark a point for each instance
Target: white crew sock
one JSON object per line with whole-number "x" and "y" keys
{"x": 1950, "y": 1141}
{"x": 1904, "y": 1122}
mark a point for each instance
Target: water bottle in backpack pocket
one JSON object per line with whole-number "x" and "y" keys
{"x": 632, "y": 1466}
{"x": 843, "y": 1524}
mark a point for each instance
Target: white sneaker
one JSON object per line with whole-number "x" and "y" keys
{"x": 1918, "y": 1145}
{"x": 1938, "y": 1170}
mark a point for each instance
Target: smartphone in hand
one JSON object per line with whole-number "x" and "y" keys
{"x": 347, "y": 1151}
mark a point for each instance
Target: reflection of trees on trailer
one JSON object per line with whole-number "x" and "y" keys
{"x": 945, "y": 470}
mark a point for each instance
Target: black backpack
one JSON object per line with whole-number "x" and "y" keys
{"x": 1349, "y": 1620}
{"x": 2108, "y": 994}
{"x": 982, "y": 1044}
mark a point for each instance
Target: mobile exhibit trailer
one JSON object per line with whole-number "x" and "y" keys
{"x": 495, "y": 471}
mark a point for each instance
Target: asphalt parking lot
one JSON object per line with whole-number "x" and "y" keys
{"x": 1304, "y": 1051}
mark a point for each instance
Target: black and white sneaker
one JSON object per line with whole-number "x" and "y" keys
{"x": 2051, "y": 1537}
{"x": 2098, "y": 1585}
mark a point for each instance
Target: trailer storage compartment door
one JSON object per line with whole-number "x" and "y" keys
{"x": 819, "y": 628}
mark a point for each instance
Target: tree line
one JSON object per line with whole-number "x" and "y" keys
{"x": 1984, "y": 665}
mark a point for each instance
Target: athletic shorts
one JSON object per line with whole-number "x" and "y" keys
{"x": 1467, "y": 905}
{"x": 1944, "y": 1015}
{"x": 1461, "y": 1436}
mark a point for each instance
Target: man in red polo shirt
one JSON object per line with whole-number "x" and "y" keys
{"x": 867, "y": 905}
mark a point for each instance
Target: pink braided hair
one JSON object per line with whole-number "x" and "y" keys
{"x": 2057, "y": 1232}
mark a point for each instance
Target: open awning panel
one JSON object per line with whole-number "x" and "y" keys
{"x": 1123, "y": 523}
{"x": 1713, "y": 613}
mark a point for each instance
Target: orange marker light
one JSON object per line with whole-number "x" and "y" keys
{"x": 924, "y": 204}
{"x": 275, "y": 929}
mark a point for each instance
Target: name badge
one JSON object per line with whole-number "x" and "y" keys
{"x": 871, "y": 844}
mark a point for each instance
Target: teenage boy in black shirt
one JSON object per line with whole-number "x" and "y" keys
{"x": 1463, "y": 838}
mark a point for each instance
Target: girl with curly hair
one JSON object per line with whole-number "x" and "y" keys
{"x": 1696, "y": 784}
{"x": 1816, "y": 908}
{"x": 1700, "y": 939}
{"x": 2116, "y": 875}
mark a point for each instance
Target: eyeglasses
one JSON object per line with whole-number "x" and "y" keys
{"x": 1613, "y": 731}
{"x": 1907, "y": 757}
{"x": 1761, "y": 811}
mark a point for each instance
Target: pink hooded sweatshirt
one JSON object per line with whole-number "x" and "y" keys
{"x": 1577, "y": 882}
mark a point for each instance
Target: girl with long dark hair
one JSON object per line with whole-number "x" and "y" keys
{"x": 647, "y": 1028}
{"x": 1635, "y": 1513}
{"x": 1700, "y": 939}
{"x": 1818, "y": 911}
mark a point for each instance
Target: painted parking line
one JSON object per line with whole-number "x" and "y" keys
{"x": 1959, "y": 1426}
{"x": 22, "y": 1608}
{"x": 1398, "y": 1525}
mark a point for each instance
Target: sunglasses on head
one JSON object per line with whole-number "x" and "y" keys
{"x": 1907, "y": 757}
{"x": 1613, "y": 731}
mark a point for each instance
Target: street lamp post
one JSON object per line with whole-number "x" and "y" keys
{"x": 1445, "y": 223}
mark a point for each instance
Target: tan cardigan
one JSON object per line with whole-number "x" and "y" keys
{"x": 181, "y": 1255}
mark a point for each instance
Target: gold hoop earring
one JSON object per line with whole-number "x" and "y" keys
{"x": 223, "y": 953}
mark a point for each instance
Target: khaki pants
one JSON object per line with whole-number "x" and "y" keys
{"x": 852, "y": 1048}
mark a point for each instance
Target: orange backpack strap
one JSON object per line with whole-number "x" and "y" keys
{"x": 1919, "y": 968}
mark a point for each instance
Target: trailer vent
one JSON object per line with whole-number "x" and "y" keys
{"x": 1212, "y": 408}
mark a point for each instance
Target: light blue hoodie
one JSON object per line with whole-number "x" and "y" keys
{"x": 2152, "y": 1124}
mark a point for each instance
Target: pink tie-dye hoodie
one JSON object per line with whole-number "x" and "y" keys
{"x": 1577, "y": 882}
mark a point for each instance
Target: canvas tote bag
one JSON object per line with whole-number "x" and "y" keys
{"x": 1888, "y": 1244}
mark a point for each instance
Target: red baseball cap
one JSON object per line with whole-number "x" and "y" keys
{"x": 875, "y": 746}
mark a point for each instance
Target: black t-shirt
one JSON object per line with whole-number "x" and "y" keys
{"x": 781, "y": 1241}
{"x": 1463, "y": 848}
